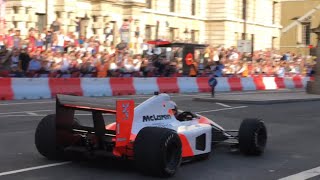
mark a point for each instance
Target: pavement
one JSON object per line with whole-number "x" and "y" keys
{"x": 292, "y": 149}
{"x": 262, "y": 98}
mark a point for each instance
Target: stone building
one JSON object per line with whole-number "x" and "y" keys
{"x": 216, "y": 22}
{"x": 298, "y": 18}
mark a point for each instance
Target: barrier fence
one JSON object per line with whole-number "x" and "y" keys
{"x": 43, "y": 88}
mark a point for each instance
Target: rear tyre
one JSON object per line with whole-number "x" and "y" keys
{"x": 252, "y": 137}
{"x": 158, "y": 151}
{"x": 45, "y": 138}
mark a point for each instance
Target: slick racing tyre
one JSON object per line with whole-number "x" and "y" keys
{"x": 252, "y": 137}
{"x": 45, "y": 139}
{"x": 158, "y": 151}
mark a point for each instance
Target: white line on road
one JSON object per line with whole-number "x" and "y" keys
{"x": 24, "y": 103}
{"x": 19, "y": 112}
{"x": 304, "y": 175}
{"x": 224, "y": 105}
{"x": 33, "y": 168}
{"x": 32, "y": 113}
{"x": 223, "y": 109}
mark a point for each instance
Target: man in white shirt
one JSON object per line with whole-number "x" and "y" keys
{"x": 60, "y": 44}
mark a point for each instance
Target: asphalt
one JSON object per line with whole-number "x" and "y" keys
{"x": 293, "y": 136}
{"x": 260, "y": 98}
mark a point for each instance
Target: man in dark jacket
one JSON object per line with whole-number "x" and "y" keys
{"x": 24, "y": 59}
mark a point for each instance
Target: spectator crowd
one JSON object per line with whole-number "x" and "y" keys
{"x": 54, "y": 53}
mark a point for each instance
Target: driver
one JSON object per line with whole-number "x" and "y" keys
{"x": 174, "y": 108}
{"x": 184, "y": 116}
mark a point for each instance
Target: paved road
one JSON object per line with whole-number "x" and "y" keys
{"x": 293, "y": 144}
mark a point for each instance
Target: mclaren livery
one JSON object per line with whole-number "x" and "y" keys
{"x": 153, "y": 134}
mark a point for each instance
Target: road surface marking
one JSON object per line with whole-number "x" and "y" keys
{"x": 19, "y": 112}
{"x": 223, "y": 109}
{"x": 32, "y": 113}
{"x": 304, "y": 175}
{"x": 33, "y": 168}
{"x": 24, "y": 103}
{"x": 224, "y": 105}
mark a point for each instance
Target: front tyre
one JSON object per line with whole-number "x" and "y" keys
{"x": 252, "y": 137}
{"x": 158, "y": 151}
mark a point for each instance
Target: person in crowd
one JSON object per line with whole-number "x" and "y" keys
{"x": 9, "y": 39}
{"x": 60, "y": 41}
{"x": 17, "y": 40}
{"x": 15, "y": 64}
{"x": 281, "y": 71}
{"x": 56, "y": 25}
{"x": 69, "y": 52}
{"x": 193, "y": 68}
{"x": 34, "y": 64}
{"x": 24, "y": 58}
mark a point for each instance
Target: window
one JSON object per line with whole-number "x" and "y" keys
{"x": 149, "y": 4}
{"x": 148, "y": 32}
{"x": 15, "y": 9}
{"x": 58, "y": 14}
{"x": 94, "y": 31}
{"x": 41, "y": 24}
{"x": 172, "y": 34}
{"x": 306, "y": 33}
{"x": 94, "y": 18}
{"x": 193, "y": 7}
{"x": 172, "y": 5}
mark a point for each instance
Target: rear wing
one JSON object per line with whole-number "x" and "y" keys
{"x": 85, "y": 103}
{"x": 123, "y": 109}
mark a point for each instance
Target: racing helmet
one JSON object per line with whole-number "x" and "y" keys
{"x": 173, "y": 106}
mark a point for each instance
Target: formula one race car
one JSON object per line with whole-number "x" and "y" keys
{"x": 153, "y": 134}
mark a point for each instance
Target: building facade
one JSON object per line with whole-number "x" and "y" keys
{"x": 298, "y": 18}
{"x": 215, "y": 22}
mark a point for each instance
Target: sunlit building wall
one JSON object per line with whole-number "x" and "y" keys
{"x": 215, "y": 22}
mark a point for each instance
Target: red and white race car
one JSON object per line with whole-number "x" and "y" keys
{"x": 153, "y": 134}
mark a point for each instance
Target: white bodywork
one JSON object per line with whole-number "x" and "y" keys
{"x": 156, "y": 112}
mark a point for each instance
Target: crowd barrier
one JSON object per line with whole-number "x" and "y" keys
{"x": 42, "y": 88}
